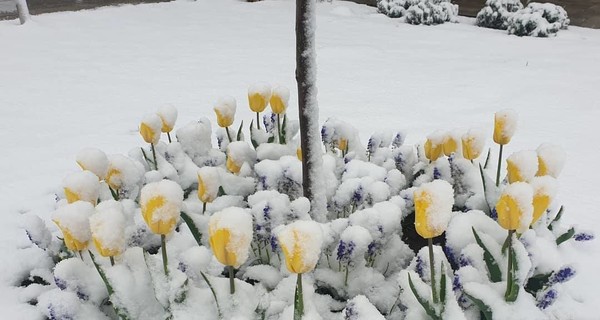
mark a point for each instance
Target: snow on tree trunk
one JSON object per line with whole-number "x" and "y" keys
{"x": 23, "y": 10}
{"x": 306, "y": 77}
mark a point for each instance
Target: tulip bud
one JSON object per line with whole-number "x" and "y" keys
{"x": 472, "y": 144}
{"x": 451, "y": 143}
{"x": 238, "y": 153}
{"x": 108, "y": 228}
{"x": 208, "y": 184}
{"x": 299, "y": 153}
{"x": 225, "y": 111}
{"x": 279, "y": 99}
{"x": 83, "y": 185}
{"x": 150, "y": 128}
{"x": 544, "y": 190}
{"x": 93, "y": 160}
{"x": 343, "y": 144}
{"x": 123, "y": 172}
{"x": 301, "y": 243}
{"x": 230, "y": 234}
{"x": 515, "y": 207}
{"x": 433, "y": 208}
{"x": 505, "y": 124}
{"x": 434, "y": 146}
{"x": 521, "y": 166}
{"x": 551, "y": 159}
{"x": 168, "y": 116}
{"x": 161, "y": 205}
{"x": 259, "y": 96}
{"x": 73, "y": 221}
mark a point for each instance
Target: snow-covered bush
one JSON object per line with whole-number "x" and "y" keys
{"x": 496, "y": 13}
{"x": 538, "y": 20}
{"x": 427, "y": 12}
{"x": 185, "y": 229}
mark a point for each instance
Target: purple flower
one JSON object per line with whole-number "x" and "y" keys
{"x": 419, "y": 266}
{"x": 269, "y": 122}
{"x": 436, "y": 173}
{"x": 274, "y": 243}
{"x": 547, "y": 299}
{"x": 350, "y": 313}
{"x": 358, "y": 195}
{"x": 398, "y": 140}
{"x": 563, "y": 275}
{"x": 583, "y": 236}
{"x": 345, "y": 250}
{"x": 463, "y": 261}
{"x": 372, "y": 145}
{"x": 60, "y": 283}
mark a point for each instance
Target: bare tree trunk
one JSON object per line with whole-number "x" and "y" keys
{"x": 306, "y": 77}
{"x": 23, "y": 10}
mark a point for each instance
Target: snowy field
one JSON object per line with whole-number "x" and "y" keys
{"x": 85, "y": 79}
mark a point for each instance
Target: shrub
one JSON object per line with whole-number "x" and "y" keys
{"x": 428, "y": 12}
{"x": 538, "y": 20}
{"x": 496, "y": 13}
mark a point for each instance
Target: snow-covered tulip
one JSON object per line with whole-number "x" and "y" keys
{"x": 73, "y": 221}
{"x": 208, "y": 184}
{"x": 515, "y": 213}
{"x": 544, "y": 190}
{"x": 505, "y": 124}
{"x": 150, "y": 128}
{"x": 521, "y": 166}
{"x": 93, "y": 160}
{"x": 238, "y": 153}
{"x": 230, "y": 235}
{"x": 168, "y": 116}
{"x": 472, "y": 144}
{"x": 108, "y": 228}
{"x": 433, "y": 210}
{"x": 225, "y": 111}
{"x": 279, "y": 99}
{"x": 451, "y": 143}
{"x": 258, "y": 99}
{"x": 434, "y": 146}
{"x": 551, "y": 159}
{"x": 161, "y": 207}
{"x": 343, "y": 146}
{"x": 83, "y": 185}
{"x": 301, "y": 243}
{"x": 123, "y": 174}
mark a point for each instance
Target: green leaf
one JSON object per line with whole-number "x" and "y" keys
{"x": 298, "y": 299}
{"x": 484, "y": 179}
{"x": 557, "y": 218}
{"x": 271, "y": 139}
{"x": 120, "y": 312}
{"x": 221, "y": 191}
{"x": 254, "y": 143}
{"x": 537, "y": 282}
{"x": 283, "y": 130}
{"x": 514, "y": 286}
{"x": 443, "y": 288}
{"x": 424, "y": 303}
{"x": 565, "y": 236}
{"x": 490, "y": 262}
{"x": 193, "y": 228}
{"x": 239, "y": 133}
{"x": 486, "y": 311}
{"x": 182, "y": 295}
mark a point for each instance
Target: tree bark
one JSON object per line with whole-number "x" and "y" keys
{"x": 306, "y": 71}
{"x": 23, "y": 10}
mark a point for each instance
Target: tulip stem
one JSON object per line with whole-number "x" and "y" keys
{"x": 432, "y": 270}
{"x": 80, "y": 255}
{"x": 213, "y": 293}
{"x": 154, "y": 156}
{"x": 163, "y": 243}
{"x": 499, "y": 166}
{"x": 228, "y": 134}
{"x": 510, "y": 275}
{"x": 203, "y": 207}
{"x": 279, "y": 128}
{"x": 231, "y": 280}
{"x": 298, "y": 299}
{"x": 112, "y": 261}
{"x": 346, "y": 277}
{"x": 268, "y": 254}
{"x": 258, "y": 120}
{"x": 169, "y": 136}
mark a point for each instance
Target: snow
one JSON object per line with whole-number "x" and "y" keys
{"x": 522, "y": 166}
{"x": 168, "y": 116}
{"x": 108, "y": 79}
{"x": 108, "y": 228}
{"x": 161, "y": 205}
{"x": 225, "y": 111}
{"x": 83, "y": 185}
{"x": 237, "y": 223}
{"x": 94, "y": 160}
{"x": 551, "y": 159}
{"x": 73, "y": 218}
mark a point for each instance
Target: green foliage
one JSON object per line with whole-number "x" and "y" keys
{"x": 565, "y": 236}
{"x": 429, "y": 309}
{"x": 486, "y": 311}
{"x": 193, "y": 228}
{"x": 491, "y": 263}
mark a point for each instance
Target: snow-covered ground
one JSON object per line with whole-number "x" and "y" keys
{"x": 7, "y": 6}
{"x": 78, "y": 79}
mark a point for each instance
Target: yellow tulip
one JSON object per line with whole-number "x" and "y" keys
{"x": 230, "y": 234}
{"x": 299, "y": 153}
{"x": 301, "y": 245}
{"x": 232, "y": 166}
{"x": 504, "y": 126}
{"x": 93, "y": 160}
{"x": 521, "y": 166}
{"x": 450, "y": 144}
{"x": 343, "y": 144}
{"x": 83, "y": 186}
{"x": 161, "y": 205}
{"x": 108, "y": 228}
{"x": 433, "y": 150}
{"x": 472, "y": 144}
{"x": 551, "y": 159}
{"x": 150, "y": 128}
{"x": 515, "y": 206}
{"x": 433, "y": 208}
{"x": 113, "y": 178}
{"x": 544, "y": 189}
{"x": 73, "y": 220}
{"x": 279, "y": 99}
{"x": 71, "y": 242}
{"x": 223, "y": 119}
{"x": 208, "y": 184}
{"x": 168, "y": 116}
{"x": 225, "y": 111}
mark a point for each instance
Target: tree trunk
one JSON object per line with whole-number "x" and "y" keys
{"x": 23, "y": 10}
{"x": 310, "y": 140}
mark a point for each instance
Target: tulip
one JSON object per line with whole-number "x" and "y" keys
{"x": 515, "y": 212}
{"x": 343, "y": 146}
{"x": 150, "y": 129}
{"x": 208, "y": 185}
{"x": 225, "y": 111}
{"x": 433, "y": 209}
{"x": 505, "y": 123}
{"x": 299, "y": 153}
{"x": 301, "y": 243}
{"x": 114, "y": 178}
{"x": 258, "y": 98}
{"x": 230, "y": 234}
{"x": 161, "y": 206}
{"x": 472, "y": 144}
{"x": 279, "y": 103}
{"x": 551, "y": 159}
{"x": 521, "y": 166}
{"x": 451, "y": 143}
{"x": 544, "y": 190}
{"x": 93, "y": 160}
{"x": 168, "y": 116}
{"x": 434, "y": 146}
{"x": 83, "y": 185}
{"x": 238, "y": 153}
{"x": 73, "y": 220}
{"x": 108, "y": 229}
